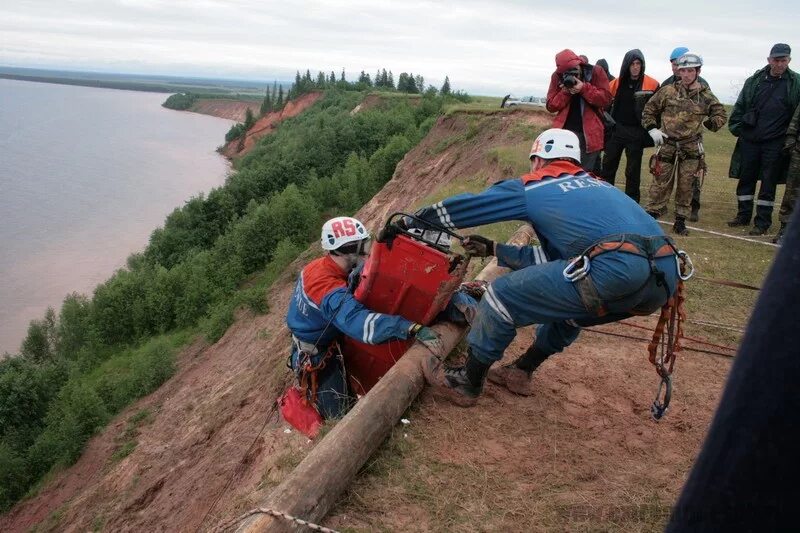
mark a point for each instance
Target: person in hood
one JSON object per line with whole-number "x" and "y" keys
{"x": 630, "y": 92}
{"x": 603, "y": 64}
{"x": 578, "y": 94}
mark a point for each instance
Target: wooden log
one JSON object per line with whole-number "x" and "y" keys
{"x": 315, "y": 485}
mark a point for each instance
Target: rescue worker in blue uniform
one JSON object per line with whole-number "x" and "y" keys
{"x": 602, "y": 258}
{"x": 323, "y": 308}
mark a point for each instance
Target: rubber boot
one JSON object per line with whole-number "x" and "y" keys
{"x": 679, "y": 227}
{"x": 738, "y": 221}
{"x": 460, "y": 385}
{"x": 518, "y": 376}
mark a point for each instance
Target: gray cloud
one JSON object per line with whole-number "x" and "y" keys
{"x": 489, "y": 48}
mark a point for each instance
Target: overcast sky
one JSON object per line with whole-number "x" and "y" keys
{"x": 485, "y": 47}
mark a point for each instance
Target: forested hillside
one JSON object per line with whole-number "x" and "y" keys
{"x": 80, "y": 365}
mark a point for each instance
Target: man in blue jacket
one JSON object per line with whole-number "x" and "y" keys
{"x": 323, "y": 308}
{"x": 602, "y": 258}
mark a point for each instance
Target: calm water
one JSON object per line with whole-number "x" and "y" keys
{"x": 85, "y": 176}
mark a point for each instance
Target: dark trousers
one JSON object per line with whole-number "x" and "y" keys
{"x": 588, "y": 160}
{"x": 759, "y": 160}
{"x": 630, "y": 139}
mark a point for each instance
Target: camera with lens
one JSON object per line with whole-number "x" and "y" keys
{"x": 570, "y": 78}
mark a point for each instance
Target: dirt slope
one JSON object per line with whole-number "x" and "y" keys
{"x": 215, "y": 444}
{"x": 224, "y": 108}
{"x": 208, "y": 415}
{"x": 268, "y": 123}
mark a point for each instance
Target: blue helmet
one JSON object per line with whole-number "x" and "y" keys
{"x": 678, "y": 52}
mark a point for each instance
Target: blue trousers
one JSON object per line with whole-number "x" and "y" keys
{"x": 539, "y": 294}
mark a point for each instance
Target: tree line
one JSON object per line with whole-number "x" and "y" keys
{"x": 82, "y": 364}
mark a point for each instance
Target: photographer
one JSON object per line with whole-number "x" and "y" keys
{"x": 578, "y": 93}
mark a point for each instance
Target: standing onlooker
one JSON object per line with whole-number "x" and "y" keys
{"x": 760, "y": 119}
{"x": 677, "y": 52}
{"x": 578, "y": 93}
{"x": 603, "y": 64}
{"x": 682, "y": 109}
{"x": 630, "y": 91}
{"x": 792, "y": 147}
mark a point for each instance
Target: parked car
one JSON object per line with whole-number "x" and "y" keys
{"x": 535, "y": 101}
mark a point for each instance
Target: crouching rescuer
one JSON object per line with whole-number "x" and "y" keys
{"x": 602, "y": 259}
{"x": 323, "y": 308}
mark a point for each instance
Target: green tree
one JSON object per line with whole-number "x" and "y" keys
{"x": 249, "y": 119}
{"x": 445, "y": 90}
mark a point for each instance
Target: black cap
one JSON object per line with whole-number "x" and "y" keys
{"x": 780, "y": 50}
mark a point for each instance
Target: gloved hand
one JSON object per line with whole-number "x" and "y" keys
{"x": 658, "y": 136}
{"x": 478, "y": 246}
{"x": 789, "y": 144}
{"x": 429, "y": 338}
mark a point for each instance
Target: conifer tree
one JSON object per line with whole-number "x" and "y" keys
{"x": 332, "y": 79}
{"x": 390, "y": 81}
{"x": 266, "y": 105}
{"x": 445, "y": 90}
{"x": 342, "y": 78}
{"x": 384, "y": 79}
{"x": 321, "y": 80}
{"x": 419, "y": 81}
{"x": 249, "y": 119}
{"x": 279, "y": 104}
{"x": 378, "y": 78}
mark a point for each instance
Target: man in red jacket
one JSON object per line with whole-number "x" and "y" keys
{"x": 579, "y": 93}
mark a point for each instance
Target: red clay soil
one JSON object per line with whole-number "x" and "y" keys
{"x": 225, "y": 108}
{"x": 215, "y": 446}
{"x": 267, "y": 124}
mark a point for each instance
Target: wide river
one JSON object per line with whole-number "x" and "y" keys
{"x": 85, "y": 176}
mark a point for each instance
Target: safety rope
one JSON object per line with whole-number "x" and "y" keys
{"x": 684, "y": 337}
{"x": 277, "y": 514}
{"x": 644, "y": 340}
{"x": 242, "y": 462}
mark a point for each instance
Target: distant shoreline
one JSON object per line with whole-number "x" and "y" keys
{"x": 102, "y": 84}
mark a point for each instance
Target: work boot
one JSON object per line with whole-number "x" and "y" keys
{"x": 694, "y": 216}
{"x": 655, "y": 214}
{"x": 518, "y": 376}
{"x": 778, "y": 239}
{"x": 757, "y": 231}
{"x": 738, "y": 221}
{"x": 460, "y": 385}
{"x": 679, "y": 227}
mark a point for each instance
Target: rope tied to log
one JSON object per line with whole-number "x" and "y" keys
{"x": 276, "y": 514}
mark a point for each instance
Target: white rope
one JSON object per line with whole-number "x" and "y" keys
{"x": 723, "y": 234}
{"x": 277, "y": 514}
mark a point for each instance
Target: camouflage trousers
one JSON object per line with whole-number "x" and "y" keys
{"x": 684, "y": 167}
{"x": 792, "y": 186}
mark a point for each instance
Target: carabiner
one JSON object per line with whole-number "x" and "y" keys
{"x": 659, "y": 408}
{"x": 572, "y": 272}
{"x": 682, "y": 260}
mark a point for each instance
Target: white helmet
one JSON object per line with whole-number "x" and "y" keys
{"x": 556, "y": 143}
{"x": 689, "y": 60}
{"x": 343, "y": 230}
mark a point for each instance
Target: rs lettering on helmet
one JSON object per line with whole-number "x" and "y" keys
{"x": 343, "y": 228}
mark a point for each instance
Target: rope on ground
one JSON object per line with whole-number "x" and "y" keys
{"x": 640, "y": 339}
{"x": 723, "y": 234}
{"x": 277, "y": 514}
{"x": 242, "y": 462}
{"x": 698, "y": 341}
{"x": 720, "y": 325}
{"x": 728, "y": 283}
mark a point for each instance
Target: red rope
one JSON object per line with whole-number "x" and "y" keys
{"x": 698, "y": 341}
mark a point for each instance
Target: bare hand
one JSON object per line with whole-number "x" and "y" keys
{"x": 577, "y": 88}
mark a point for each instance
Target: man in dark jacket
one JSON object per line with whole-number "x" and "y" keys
{"x": 630, "y": 90}
{"x": 578, "y": 93}
{"x": 760, "y": 119}
{"x": 791, "y": 147}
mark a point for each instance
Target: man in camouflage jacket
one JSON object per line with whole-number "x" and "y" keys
{"x": 682, "y": 109}
{"x": 791, "y": 146}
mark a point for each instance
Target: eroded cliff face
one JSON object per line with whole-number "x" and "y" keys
{"x": 228, "y": 109}
{"x": 266, "y": 124}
